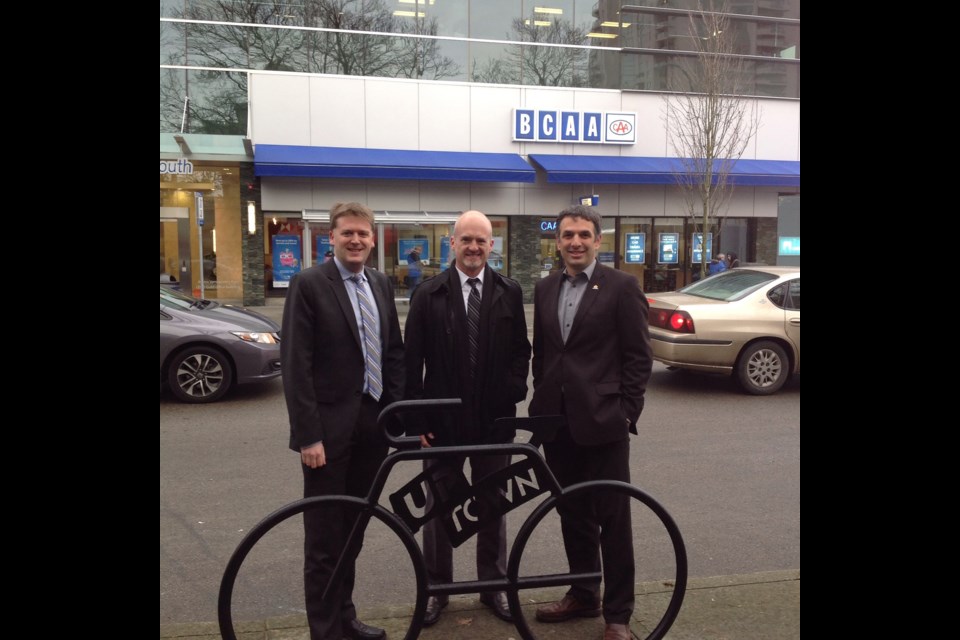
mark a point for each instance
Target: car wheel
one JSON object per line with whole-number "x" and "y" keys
{"x": 200, "y": 374}
{"x": 763, "y": 367}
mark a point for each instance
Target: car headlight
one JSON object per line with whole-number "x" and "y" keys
{"x": 257, "y": 336}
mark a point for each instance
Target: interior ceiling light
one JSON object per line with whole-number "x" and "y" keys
{"x": 615, "y": 25}
{"x": 552, "y": 10}
{"x": 410, "y": 14}
{"x": 607, "y": 36}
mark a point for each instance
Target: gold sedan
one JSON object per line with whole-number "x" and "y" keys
{"x": 742, "y": 322}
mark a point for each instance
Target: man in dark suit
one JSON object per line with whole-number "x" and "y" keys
{"x": 342, "y": 357}
{"x": 591, "y": 363}
{"x": 467, "y": 328}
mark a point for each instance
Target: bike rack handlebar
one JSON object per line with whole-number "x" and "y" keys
{"x": 438, "y": 405}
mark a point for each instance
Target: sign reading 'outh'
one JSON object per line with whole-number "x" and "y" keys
{"x": 592, "y": 127}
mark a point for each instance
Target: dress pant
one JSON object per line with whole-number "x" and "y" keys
{"x": 491, "y": 540}
{"x": 596, "y": 524}
{"x": 326, "y": 528}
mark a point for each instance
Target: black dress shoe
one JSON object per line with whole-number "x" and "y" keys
{"x": 432, "y": 614}
{"x": 498, "y": 602}
{"x": 359, "y": 631}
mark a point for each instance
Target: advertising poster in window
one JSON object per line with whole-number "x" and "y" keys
{"x": 286, "y": 259}
{"x": 668, "y": 251}
{"x": 495, "y": 259}
{"x": 697, "y": 244}
{"x": 636, "y": 248}
{"x": 444, "y": 253}
{"x": 324, "y": 249}
{"x": 413, "y": 250}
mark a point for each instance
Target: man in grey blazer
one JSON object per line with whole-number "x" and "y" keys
{"x": 591, "y": 363}
{"x": 342, "y": 358}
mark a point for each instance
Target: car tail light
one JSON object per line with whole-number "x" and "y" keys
{"x": 673, "y": 320}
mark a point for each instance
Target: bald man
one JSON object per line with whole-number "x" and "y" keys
{"x": 466, "y": 337}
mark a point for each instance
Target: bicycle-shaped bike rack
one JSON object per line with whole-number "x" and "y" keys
{"x": 460, "y": 504}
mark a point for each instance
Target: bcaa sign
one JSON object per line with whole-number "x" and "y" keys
{"x": 591, "y": 127}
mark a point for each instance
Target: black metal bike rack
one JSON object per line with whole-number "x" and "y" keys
{"x": 405, "y": 526}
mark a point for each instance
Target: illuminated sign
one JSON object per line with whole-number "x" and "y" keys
{"x": 594, "y": 127}
{"x": 789, "y": 246}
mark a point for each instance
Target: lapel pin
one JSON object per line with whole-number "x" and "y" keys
{"x": 596, "y": 287}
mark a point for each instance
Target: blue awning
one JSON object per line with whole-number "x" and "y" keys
{"x": 389, "y": 164}
{"x": 640, "y": 170}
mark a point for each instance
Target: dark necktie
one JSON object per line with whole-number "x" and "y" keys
{"x": 473, "y": 322}
{"x": 369, "y": 331}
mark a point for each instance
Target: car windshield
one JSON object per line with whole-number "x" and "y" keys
{"x": 729, "y": 285}
{"x": 181, "y": 300}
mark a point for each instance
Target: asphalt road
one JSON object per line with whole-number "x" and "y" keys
{"x": 724, "y": 464}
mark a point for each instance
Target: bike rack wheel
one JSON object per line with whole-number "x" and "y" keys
{"x": 530, "y": 524}
{"x": 365, "y": 512}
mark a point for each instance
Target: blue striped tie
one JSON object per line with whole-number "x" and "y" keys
{"x": 370, "y": 340}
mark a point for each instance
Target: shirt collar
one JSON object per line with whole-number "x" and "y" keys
{"x": 464, "y": 277}
{"x": 588, "y": 272}
{"x": 345, "y": 273}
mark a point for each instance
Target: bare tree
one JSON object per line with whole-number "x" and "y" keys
{"x": 533, "y": 65}
{"x": 709, "y": 123}
{"x": 218, "y": 100}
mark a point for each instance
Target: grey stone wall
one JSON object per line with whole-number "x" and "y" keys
{"x": 525, "y": 253}
{"x": 766, "y": 241}
{"x": 253, "y": 285}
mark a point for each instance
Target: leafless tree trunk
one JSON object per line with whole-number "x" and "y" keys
{"x": 709, "y": 122}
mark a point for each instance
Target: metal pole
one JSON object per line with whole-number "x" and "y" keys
{"x": 199, "y": 200}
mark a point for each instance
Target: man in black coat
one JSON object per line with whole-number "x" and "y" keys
{"x": 466, "y": 337}
{"x": 342, "y": 357}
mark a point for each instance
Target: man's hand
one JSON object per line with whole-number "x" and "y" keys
{"x": 425, "y": 441}
{"x": 314, "y": 456}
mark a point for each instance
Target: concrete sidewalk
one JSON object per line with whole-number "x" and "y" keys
{"x": 755, "y": 606}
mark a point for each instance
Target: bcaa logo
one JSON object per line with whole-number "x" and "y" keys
{"x": 287, "y": 258}
{"x": 621, "y": 127}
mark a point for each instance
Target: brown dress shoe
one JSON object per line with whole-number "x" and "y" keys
{"x": 617, "y": 632}
{"x": 566, "y": 608}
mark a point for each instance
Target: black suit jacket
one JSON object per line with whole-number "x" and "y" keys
{"x": 601, "y": 372}
{"x": 437, "y": 357}
{"x": 322, "y": 357}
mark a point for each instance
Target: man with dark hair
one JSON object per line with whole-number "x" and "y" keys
{"x": 591, "y": 363}
{"x": 466, "y": 328}
{"x": 342, "y": 358}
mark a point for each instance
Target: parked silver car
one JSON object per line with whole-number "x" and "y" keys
{"x": 744, "y": 322}
{"x": 207, "y": 347}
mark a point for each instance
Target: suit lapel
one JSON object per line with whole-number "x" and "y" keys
{"x": 550, "y": 301}
{"x": 380, "y": 296}
{"x": 589, "y": 299}
{"x": 343, "y": 298}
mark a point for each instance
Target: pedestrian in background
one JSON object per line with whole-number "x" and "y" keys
{"x": 591, "y": 363}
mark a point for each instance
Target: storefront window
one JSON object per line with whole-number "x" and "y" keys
{"x": 667, "y": 250}
{"x": 635, "y": 244}
{"x": 283, "y": 253}
{"x": 218, "y": 273}
{"x": 407, "y": 252}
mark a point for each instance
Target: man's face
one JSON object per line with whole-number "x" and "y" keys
{"x": 578, "y": 243}
{"x": 352, "y": 241}
{"x": 472, "y": 242}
